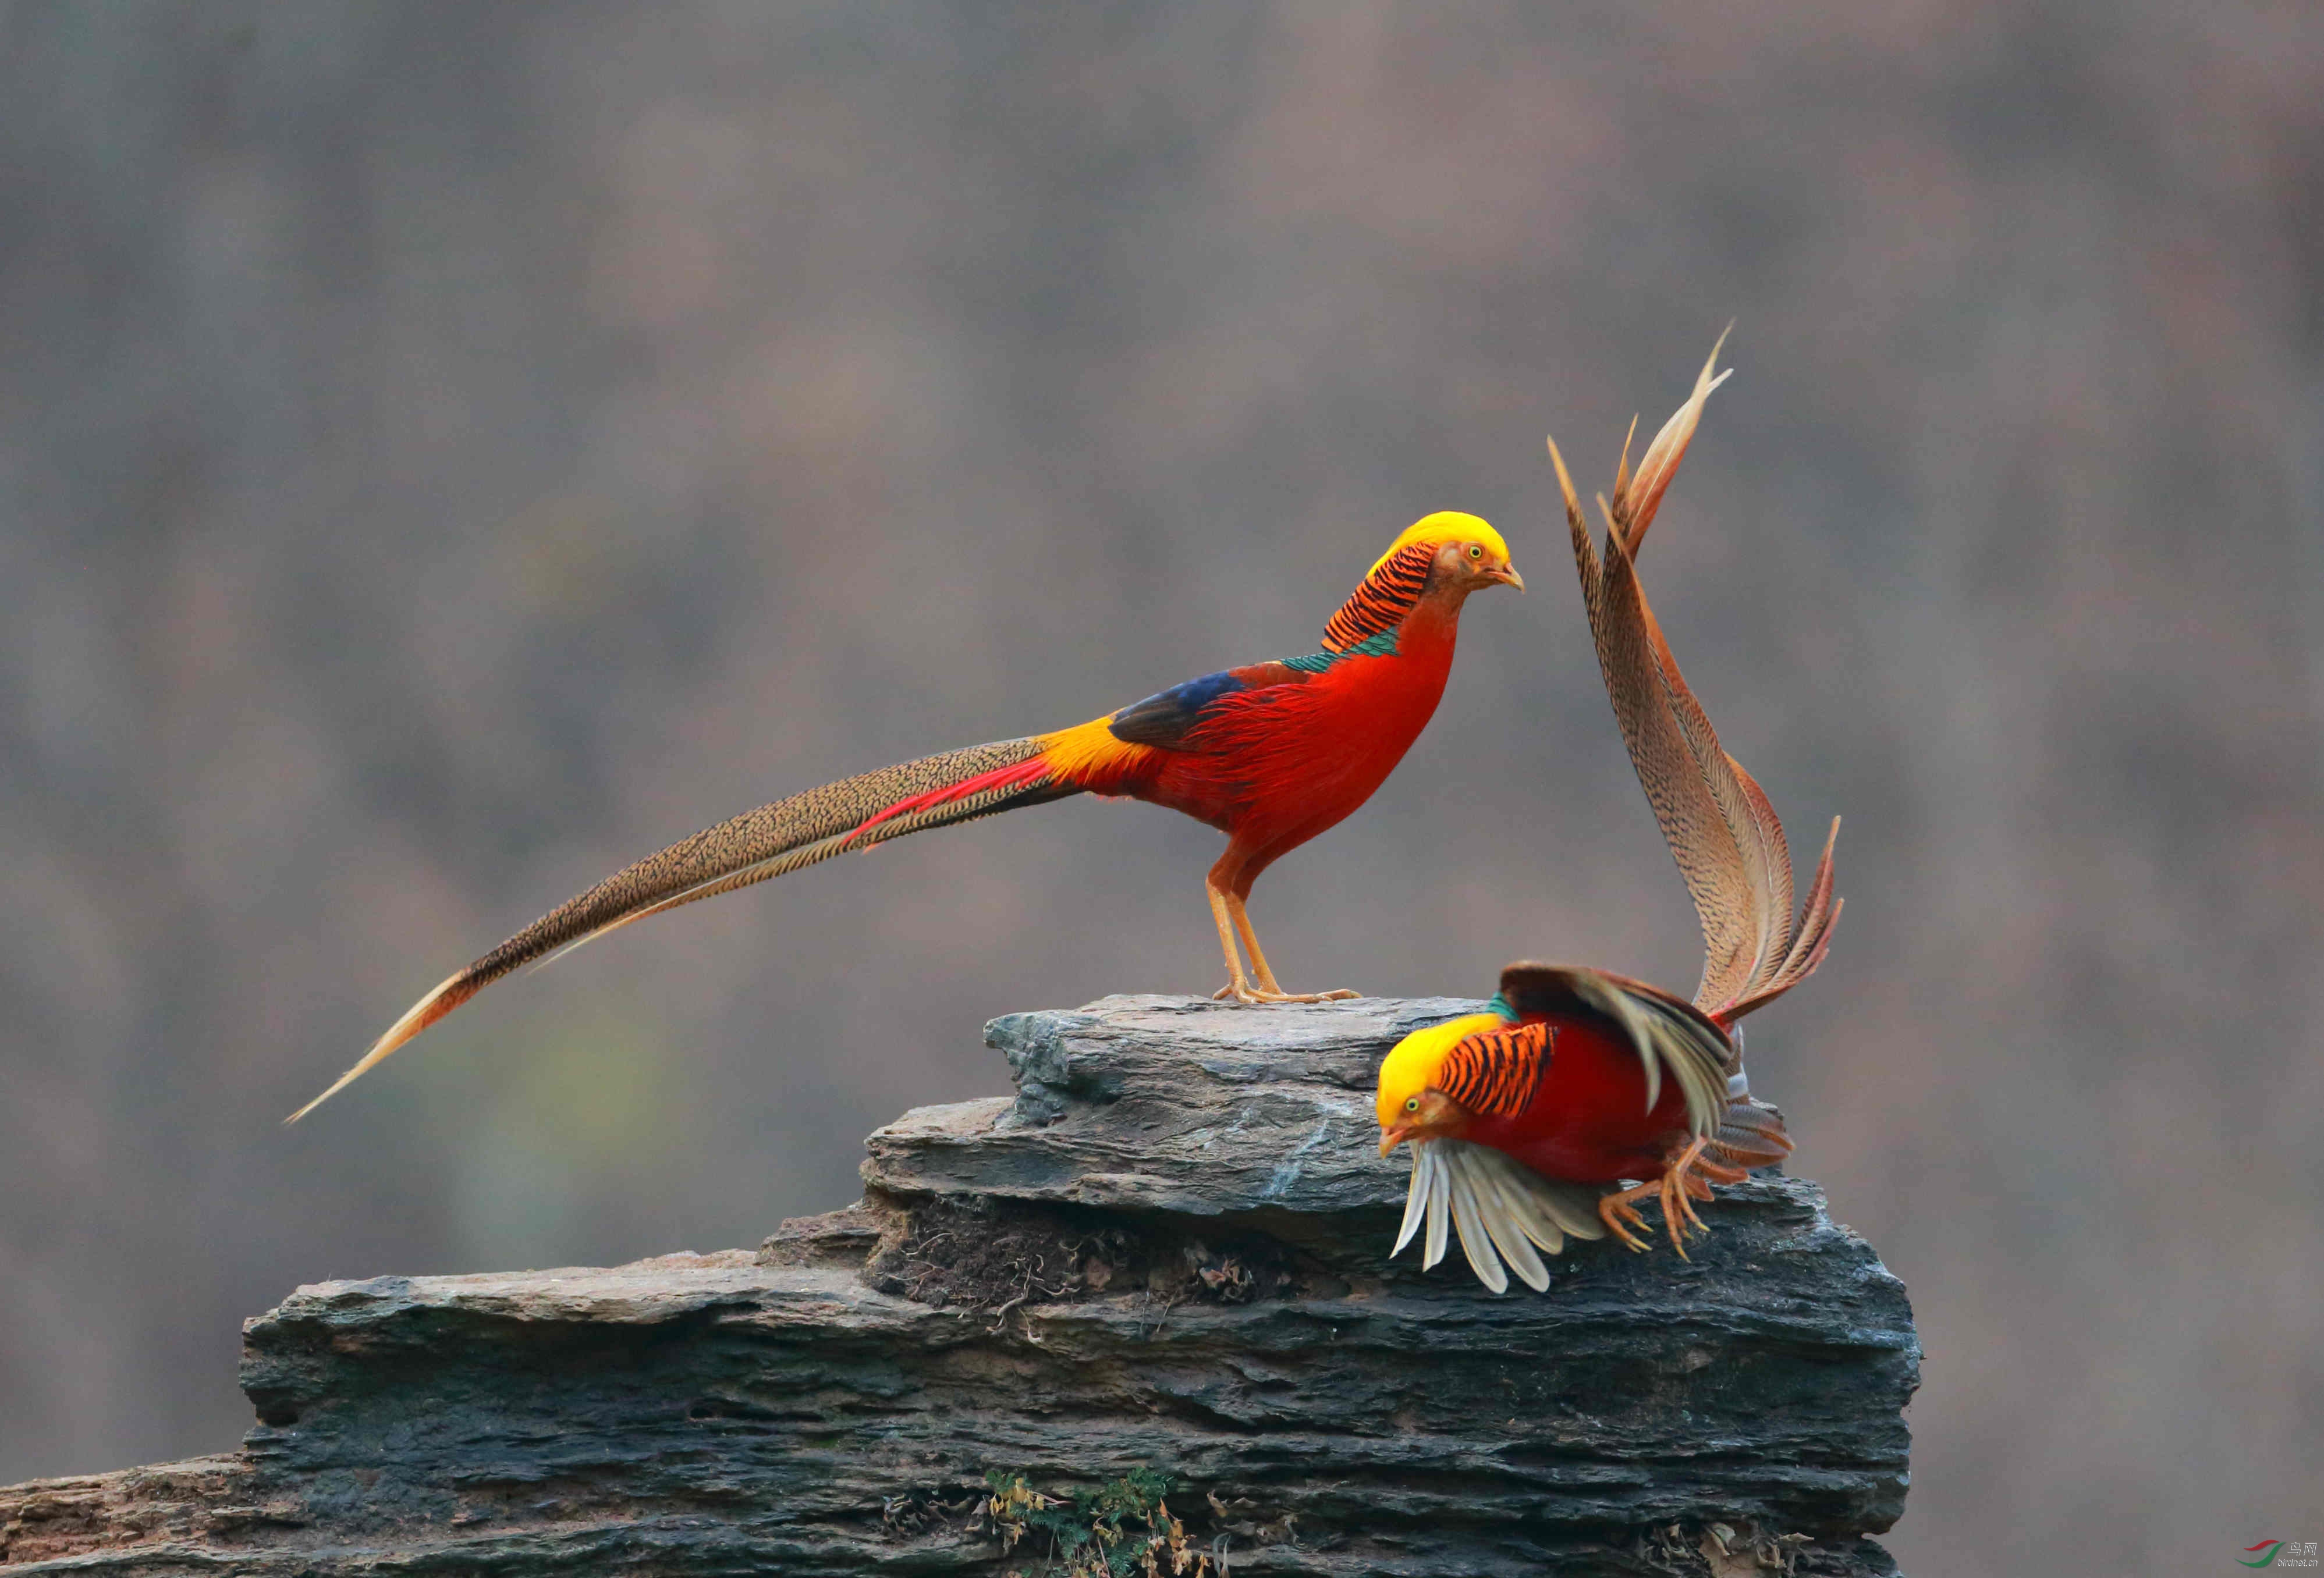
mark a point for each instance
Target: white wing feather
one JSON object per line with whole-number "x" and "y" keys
{"x": 1474, "y": 1242}
{"x": 1500, "y": 1208}
{"x": 1439, "y": 1209}
{"x": 1415, "y": 1199}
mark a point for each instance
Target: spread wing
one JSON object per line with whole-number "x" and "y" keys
{"x": 1501, "y": 1208}
{"x": 1721, "y": 827}
{"x": 1671, "y": 1038}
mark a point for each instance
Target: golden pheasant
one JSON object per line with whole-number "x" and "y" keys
{"x": 1525, "y": 1119}
{"x": 1271, "y": 754}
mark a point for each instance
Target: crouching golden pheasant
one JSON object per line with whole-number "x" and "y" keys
{"x": 1524, "y": 1121}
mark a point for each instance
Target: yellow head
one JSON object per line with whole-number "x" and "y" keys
{"x": 1410, "y": 1107}
{"x": 1463, "y": 543}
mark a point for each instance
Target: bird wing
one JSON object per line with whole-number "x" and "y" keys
{"x": 1670, "y": 1037}
{"x": 1164, "y": 719}
{"x": 1719, "y": 823}
{"x": 1502, "y": 1209}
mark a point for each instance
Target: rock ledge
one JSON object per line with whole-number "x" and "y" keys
{"x": 1164, "y": 1255}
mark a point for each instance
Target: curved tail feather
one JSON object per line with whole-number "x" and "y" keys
{"x": 1751, "y": 1134}
{"x": 854, "y": 813}
{"x": 1719, "y": 823}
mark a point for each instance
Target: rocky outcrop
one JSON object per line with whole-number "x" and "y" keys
{"x": 1157, "y": 1275}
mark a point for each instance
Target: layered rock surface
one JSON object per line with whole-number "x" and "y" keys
{"x": 1165, "y": 1256}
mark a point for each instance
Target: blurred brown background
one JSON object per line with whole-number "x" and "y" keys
{"x": 446, "y": 451}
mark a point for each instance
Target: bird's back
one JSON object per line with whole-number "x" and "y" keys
{"x": 1286, "y": 757}
{"x": 1588, "y": 1120}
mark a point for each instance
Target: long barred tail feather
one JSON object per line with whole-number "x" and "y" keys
{"x": 1719, "y": 823}
{"x": 854, "y": 813}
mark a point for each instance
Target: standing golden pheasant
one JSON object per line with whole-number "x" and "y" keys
{"x": 1271, "y": 754}
{"x": 1524, "y": 1119}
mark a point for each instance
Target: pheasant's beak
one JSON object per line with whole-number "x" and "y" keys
{"x": 1508, "y": 576}
{"x": 1396, "y": 1137}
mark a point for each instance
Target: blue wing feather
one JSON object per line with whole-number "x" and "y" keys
{"x": 1164, "y": 718}
{"x": 1168, "y": 717}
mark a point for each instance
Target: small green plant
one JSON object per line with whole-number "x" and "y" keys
{"x": 1121, "y": 1529}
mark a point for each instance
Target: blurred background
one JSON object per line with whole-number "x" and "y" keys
{"x": 448, "y": 450}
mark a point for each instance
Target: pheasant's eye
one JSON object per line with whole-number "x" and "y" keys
{"x": 1475, "y": 552}
{"x": 1412, "y": 1105}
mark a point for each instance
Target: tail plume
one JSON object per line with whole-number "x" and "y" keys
{"x": 1751, "y": 1134}
{"x": 1718, "y": 821}
{"x": 855, "y": 813}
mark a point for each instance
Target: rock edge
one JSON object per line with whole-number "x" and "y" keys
{"x": 1165, "y": 1253}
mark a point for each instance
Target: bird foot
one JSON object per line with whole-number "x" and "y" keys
{"x": 1622, "y": 1219}
{"x": 1678, "y": 1207}
{"x": 1687, "y": 1177}
{"x": 1244, "y": 991}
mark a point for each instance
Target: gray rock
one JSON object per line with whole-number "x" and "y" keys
{"x": 1164, "y": 1256}
{"x": 1172, "y": 1103}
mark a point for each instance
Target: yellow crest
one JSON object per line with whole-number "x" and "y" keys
{"x": 1446, "y": 526}
{"x": 1413, "y": 1066}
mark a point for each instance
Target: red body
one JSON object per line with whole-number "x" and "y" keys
{"x": 1588, "y": 1121}
{"x": 1276, "y": 764}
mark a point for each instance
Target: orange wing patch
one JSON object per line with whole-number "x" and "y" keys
{"x": 1498, "y": 1072}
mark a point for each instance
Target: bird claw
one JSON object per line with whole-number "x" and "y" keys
{"x": 1678, "y": 1189}
{"x": 1678, "y": 1213}
{"x": 1622, "y": 1218}
{"x": 1244, "y": 991}
{"x": 1686, "y": 1177}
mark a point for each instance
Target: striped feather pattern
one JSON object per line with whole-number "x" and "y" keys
{"x": 773, "y": 840}
{"x": 1751, "y": 1134}
{"x": 1498, "y": 1071}
{"x": 1379, "y": 604}
{"x": 854, "y": 813}
{"x": 1719, "y": 823}
{"x": 1670, "y": 1037}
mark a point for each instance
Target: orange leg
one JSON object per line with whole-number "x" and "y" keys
{"x": 1238, "y": 985}
{"x": 1267, "y": 986}
{"x": 1686, "y": 1177}
{"x": 1230, "y": 887}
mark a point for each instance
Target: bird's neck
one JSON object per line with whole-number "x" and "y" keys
{"x": 1398, "y": 608}
{"x": 1431, "y": 628}
{"x": 1381, "y": 601}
